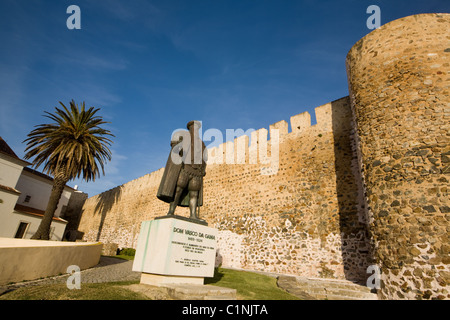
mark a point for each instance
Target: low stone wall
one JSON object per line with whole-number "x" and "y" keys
{"x": 22, "y": 260}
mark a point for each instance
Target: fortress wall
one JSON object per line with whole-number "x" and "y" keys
{"x": 306, "y": 219}
{"x": 116, "y": 215}
{"x": 399, "y": 89}
{"x": 300, "y": 214}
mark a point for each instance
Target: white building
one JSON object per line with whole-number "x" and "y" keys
{"x": 24, "y": 194}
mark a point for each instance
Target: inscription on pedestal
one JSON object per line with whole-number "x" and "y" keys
{"x": 175, "y": 247}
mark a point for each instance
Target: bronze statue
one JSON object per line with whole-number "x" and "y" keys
{"x": 182, "y": 181}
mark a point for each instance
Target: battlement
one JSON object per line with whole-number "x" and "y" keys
{"x": 258, "y": 148}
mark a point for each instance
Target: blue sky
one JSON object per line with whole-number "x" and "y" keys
{"x": 152, "y": 66}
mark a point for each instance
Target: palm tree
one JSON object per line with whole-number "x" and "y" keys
{"x": 73, "y": 146}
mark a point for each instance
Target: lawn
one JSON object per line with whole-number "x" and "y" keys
{"x": 249, "y": 286}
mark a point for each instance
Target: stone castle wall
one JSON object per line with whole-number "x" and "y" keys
{"x": 399, "y": 85}
{"x": 305, "y": 218}
{"x": 368, "y": 184}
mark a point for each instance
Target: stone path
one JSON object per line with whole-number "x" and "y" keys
{"x": 110, "y": 270}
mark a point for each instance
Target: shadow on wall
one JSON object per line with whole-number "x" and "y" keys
{"x": 355, "y": 238}
{"x": 73, "y": 214}
{"x": 105, "y": 202}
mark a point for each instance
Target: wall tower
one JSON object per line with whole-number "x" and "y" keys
{"x": 399, "y": 87}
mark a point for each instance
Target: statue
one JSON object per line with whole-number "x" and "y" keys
{"x": 182, "y": 181}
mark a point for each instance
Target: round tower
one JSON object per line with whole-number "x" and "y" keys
{"x": 399, "y": 80}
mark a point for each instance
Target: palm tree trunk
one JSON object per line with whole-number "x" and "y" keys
{"x": 43, "y": 231}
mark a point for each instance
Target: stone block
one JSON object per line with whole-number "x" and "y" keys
{"x": 110, "y": 249}
{"x": 300, "y": 122}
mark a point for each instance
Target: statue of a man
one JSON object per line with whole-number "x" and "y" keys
{"x": 182, "y": 181}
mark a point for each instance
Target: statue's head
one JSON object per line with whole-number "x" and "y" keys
{"x": 194, "y": 124}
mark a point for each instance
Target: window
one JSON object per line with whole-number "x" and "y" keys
{"x": 27, "y": 199}
{"x": 23, "y": 226}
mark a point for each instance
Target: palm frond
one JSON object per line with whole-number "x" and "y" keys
{"x": 74, "y": 141}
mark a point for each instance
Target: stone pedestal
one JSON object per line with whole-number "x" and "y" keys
{"x": 175, "y": 250}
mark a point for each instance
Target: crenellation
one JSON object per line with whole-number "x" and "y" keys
{"x": 230, "y": 154}
{"x": 239, "y": 151}
{"x": 215, "y": 155}
{"x": 324, "y": 117}
{"x": 281, "y": 126}
{"x": 253, "y": 148}
{"x": 242, "y": 149}
{"x": 300, "y": 122}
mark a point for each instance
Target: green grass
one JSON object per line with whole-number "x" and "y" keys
{"x": 88, "y": 291}
{"x": 249, "y": 285}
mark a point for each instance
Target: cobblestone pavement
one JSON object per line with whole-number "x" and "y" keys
{"x": 108, "y": 270}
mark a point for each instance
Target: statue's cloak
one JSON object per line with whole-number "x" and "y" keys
{"x": 168, "y": 185}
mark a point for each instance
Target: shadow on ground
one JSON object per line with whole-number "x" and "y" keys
{"x": 217, "y": 277}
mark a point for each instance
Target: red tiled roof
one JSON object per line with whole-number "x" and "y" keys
{"x": 35, "y": 212}
{"x": 5, "y": 148}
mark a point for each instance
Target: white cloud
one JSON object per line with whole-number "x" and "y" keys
{"x": 113, "y": 167}
{"x": 92, "y": 61}
{"x": 136, "y": 11}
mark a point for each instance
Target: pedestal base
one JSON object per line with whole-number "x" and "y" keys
{"x": 163, "y": 280}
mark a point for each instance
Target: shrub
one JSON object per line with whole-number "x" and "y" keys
{"x": 127, "y": 252}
